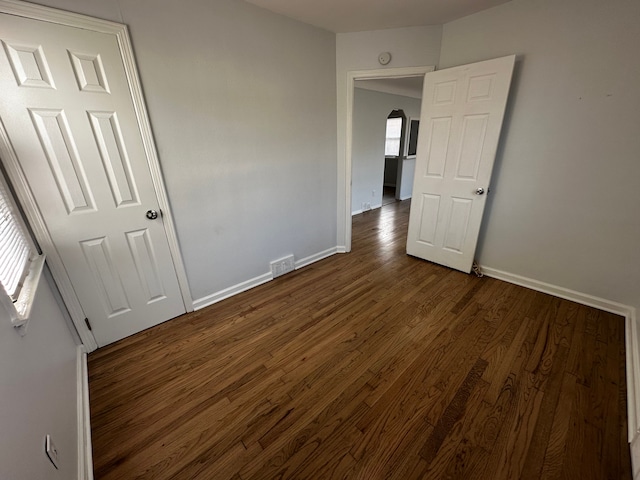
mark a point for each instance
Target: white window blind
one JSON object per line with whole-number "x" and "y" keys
{"x": 16, "y": 249}
{"x": 394, "y": 131}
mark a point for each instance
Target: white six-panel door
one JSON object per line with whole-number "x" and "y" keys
{"x": 69, "y": 114}
{"x": 461, "y": 119}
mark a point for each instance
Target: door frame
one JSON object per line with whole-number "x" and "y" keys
{"x": 23, "y": 190}
{"x": 352, "y": 76}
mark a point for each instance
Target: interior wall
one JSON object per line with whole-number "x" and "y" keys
{"x": 370, "y": 112}
{"x": 408, "y": 173}
{"x": 38, "y": 393}
{"x": 564, "y": 198}
{"x": 409, "y": 47}
{"x": 242, "y": 105}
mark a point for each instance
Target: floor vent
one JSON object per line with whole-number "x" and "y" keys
{"x": 282, "y": 266}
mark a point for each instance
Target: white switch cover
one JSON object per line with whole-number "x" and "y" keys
{"x": 51, "y": 450}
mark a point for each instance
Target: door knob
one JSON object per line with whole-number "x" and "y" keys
{"x": 479, "y": 191}
{"x": 152, "y": 214}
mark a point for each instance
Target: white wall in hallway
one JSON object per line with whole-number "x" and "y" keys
{"x": 370, "y": 112}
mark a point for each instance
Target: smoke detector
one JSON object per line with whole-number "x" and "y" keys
{"x": 384, "y": 58}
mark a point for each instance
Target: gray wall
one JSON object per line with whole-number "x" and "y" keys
{"x": 242, "y": 105}
{"x": 370, "y": 112}
{"x": 37, "y": 393}
{"x": 410, "y": 47}
{"x": 564, "y": 204}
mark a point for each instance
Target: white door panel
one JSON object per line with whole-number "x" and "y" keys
{"x": 462, "y": 113}
{"x": 69, "y": 114}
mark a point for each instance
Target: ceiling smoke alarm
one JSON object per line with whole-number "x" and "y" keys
{"x": 384, "y": 58}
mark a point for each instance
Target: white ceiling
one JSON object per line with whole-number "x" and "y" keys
{"x": 408, "y": 86}
{"x": 358, "y": 15}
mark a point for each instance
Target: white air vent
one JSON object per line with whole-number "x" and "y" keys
{"x": 282, "y": 266}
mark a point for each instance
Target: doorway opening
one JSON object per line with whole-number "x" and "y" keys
{"x": 345, "y": 161}
{"x": 382, "y": 111}
{"x": 393, "y": 155}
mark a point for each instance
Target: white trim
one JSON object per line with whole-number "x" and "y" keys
{"x": 341, "y": 249}
{"x": 635, "y": 459}
{"x": 30, "y": 207}
{"x": 632, "y": 345}
{"x": 154, "y": 164}
{"x": 303, "y": 262}
{"x": 567, "y": 294}
{"x": 23, "y": 191}
{"x": 54, "y": 15}
{"x": 85, "y": 457}
{"x": 28, "y": 292}
{"x": 352, "y": 75}
{"x": 373, "y": 207}
{"x": 405, "y": 198}
{"x": 216, "y": 297}
{"x": 632, "y": 349}
{"x": 231, "y": 291}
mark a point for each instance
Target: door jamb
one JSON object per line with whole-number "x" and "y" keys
{"x": 352, "y": 76}
{"x": 23, "y": 191}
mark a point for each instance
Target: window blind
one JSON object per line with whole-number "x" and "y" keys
{"x": 16, "y": 251}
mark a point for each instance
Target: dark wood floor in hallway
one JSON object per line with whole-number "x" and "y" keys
{"x": 370, "y": 365}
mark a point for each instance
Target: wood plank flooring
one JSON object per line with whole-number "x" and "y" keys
{"x": 370, "y": 365}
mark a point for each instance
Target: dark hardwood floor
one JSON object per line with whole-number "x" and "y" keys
{"x": 370, "y": 365}
{"x": 388, "y": 195}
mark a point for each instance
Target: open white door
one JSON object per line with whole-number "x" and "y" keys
{"x": 70, "y": 119}
{"x": 460, "y": 123}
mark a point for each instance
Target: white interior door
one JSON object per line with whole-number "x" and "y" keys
{"x": 67, "y": 109}
{"x": 460, "y": 123}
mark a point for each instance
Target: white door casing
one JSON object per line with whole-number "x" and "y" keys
{"x": 460, "y": 122}
{"x": 344, "y": 208}
{"x": 71, "y": 123}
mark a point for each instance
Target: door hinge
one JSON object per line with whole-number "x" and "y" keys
{"x": 86, "y": 320}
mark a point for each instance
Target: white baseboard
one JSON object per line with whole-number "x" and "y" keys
{"x": 341, "y": 249}
{"x": 85, "y": 456}
{"x": 632, "y": 341}
{"x": 567, "y": 294}
{"x": 373, "y": 207}
{"x": 405, "y": 198}
{"x": 231, "y": 291}
{"x": 635, "y": 459}
{"x": 303, "y": 262}
{"x": 632, "y": 348}
{"x": 259, "y": 280}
